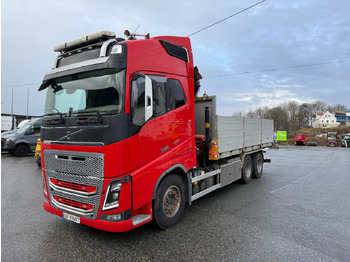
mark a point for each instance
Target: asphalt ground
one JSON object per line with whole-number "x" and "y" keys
{"x": 298, "y": 210}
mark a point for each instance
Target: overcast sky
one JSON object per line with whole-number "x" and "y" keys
{"x": 310, "y": 39}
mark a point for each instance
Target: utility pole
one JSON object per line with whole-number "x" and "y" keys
{"x": 27, "y": 101}
{"x": 13, "y": 124}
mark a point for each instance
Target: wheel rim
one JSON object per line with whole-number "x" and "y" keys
{"x": 260, "y": 165}
{"x": 171, "y": 201}
{"x": 22, "y": 151}
{"x": 248, "y": 169}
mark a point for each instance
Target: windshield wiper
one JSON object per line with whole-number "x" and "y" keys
{"x": 99, "y": 118}
{"x": 57, "y": 113}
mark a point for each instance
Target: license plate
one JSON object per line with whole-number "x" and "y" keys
{"x": 71, "y": 217}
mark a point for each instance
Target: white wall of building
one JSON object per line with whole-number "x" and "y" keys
{"x": 326, "y": 120}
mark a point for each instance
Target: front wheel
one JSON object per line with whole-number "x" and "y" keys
{"x": 21, "y": 150}
{"x": 169, "y": 204}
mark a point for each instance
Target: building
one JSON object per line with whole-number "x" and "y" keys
{"x": 9, "y": 122}
{"x": 325, "y": 120}
{"x": 343, "y": 118}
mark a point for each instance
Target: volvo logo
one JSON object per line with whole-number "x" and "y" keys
{"x": 68, "y": 135}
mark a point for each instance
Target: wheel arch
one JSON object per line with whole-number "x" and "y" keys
{"x": 178, "y": 169}
{"x": 22, "y": 143}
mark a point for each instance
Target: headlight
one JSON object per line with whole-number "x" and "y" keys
{"x": 112, "y": 196}
{"x": 111, "y": 200}
{"x": 9, "y": 139}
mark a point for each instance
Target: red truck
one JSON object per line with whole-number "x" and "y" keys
{"x": 300, "y": 140}
{"x": 125, "y": 141}
{"x": 332, "y": 139}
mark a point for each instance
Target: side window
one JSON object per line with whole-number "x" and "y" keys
{"x": 37, "y": 129}
{"x": 159, "y": 95}
{"x": 176, "y": 96}
{"x": 138, "y": 101}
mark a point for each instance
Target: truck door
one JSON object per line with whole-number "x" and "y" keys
{"x": 152, "y": 130}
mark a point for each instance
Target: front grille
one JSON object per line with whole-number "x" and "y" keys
{"x": 73, "y": 204}
{"x": 73, "y": 187}
{"x": 75, "y": 181}
{"x": 80, "y": 163}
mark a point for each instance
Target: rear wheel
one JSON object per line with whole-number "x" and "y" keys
{"x": 247, "y": 170}
{"x": 169, "y": 204}
{"x": 21, "y": 150}
{"x": 258, "y": 163}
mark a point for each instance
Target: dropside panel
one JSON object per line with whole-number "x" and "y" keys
{"x": 230, "y": 133}
{"x": 252, "y": 132}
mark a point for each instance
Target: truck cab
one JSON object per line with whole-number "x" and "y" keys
{"x": 300, "y": 140}
{"x": 332, "y": 139}
{"x": 117, "y": 116}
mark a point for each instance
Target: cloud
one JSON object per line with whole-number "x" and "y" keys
{"x": 274, "y": 34}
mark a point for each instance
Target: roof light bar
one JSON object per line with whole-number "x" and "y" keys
{"x": 97, "y": 37}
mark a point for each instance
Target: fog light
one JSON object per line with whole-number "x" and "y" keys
{"x": 114, "y": 217}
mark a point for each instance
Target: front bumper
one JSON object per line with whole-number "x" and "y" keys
{"x": 8, "y": 145}
{"x": 120, "y": 226}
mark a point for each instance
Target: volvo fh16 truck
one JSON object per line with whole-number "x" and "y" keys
{"x": 125, "y": 140}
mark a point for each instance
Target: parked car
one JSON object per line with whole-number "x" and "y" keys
{"x": 23, "y": 140}
{"x": 38, "y": 152}
{"x": 345, "y": 140}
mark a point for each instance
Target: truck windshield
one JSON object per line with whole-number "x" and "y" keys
{"x": 24, "y": 128}
{"x": 332, "y": 137}
{"x": 99, "y": 91}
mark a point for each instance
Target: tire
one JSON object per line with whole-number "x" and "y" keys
{"x": 247, "y": 170}
{"x": 258, "y": 164}
{"x": 169, "y": 204}
{"x": 21, "y": 150}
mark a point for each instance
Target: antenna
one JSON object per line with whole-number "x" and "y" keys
{"x": 137, "y": 28}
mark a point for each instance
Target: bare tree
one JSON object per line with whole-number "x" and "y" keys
{"x": 291, "y": 116}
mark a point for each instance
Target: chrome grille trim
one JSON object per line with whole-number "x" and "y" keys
{"x": 76, "y": 195}
{"x": 79, "y": 168}
{"x": 58, "y": 188}
{"x": 71, "y": 209}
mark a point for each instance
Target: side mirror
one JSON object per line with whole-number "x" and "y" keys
{"x": 148, "y": 98}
